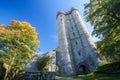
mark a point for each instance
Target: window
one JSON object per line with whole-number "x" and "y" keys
{"x": 76, "y": 43}
{"x": 72, "y": 28}
{"x": 73, "y": 34}
{"x": 79, "y": 53}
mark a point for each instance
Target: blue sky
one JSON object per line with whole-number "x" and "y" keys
{"x": 42, "y": 15}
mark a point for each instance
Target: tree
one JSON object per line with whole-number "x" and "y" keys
{"x": 42, "y": 63}
{"x": 104, "y": 15}
{"x": 18, "y": 43}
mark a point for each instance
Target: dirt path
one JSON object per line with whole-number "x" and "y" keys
{"x": 63, "y": 78}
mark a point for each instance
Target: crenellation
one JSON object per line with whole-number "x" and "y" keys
{"x": 76, "y": 51}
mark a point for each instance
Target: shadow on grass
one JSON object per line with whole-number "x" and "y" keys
{"x": 96, "y": 76}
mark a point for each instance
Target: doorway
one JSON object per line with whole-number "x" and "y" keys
{"x": 82, "y": 69}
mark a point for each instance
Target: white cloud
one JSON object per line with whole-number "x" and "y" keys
{"x": 55, "y": 37}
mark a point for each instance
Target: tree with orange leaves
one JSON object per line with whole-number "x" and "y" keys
{"x": 18, "y": 43}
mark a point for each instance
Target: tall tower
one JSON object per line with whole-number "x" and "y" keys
{"x": 76, "y": 50}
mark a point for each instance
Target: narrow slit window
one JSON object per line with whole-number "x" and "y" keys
{"x": 79, "y": 53}
{"x": 73, "y": 34}
{"x": 72, "y": 28}
{"x": 76, "y": 43}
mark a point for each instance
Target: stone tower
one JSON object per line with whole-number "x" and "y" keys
{"x": 76, "y": 51}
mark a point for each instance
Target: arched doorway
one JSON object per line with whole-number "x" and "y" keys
{"x": 82, "y": 69}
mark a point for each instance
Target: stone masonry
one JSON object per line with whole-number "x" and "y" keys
{"x": 31, "y": 65}
{"x": 76, "y": 50}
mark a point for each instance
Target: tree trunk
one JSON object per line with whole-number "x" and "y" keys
{"x": 7, "y": 67}
{"x": 6, "y": 74}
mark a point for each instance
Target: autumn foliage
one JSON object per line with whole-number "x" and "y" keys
{"x": 18, "y": 43}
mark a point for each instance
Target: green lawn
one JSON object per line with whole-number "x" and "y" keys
{"x": 99, "y": 74}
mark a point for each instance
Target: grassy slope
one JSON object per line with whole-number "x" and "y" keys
{"x": 96, "y": 76}
{"x": 99, "y": 75}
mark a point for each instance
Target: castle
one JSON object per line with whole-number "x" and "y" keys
{"x": 76, "y": 51}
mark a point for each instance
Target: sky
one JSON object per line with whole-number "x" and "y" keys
{"x": 42, "y": 15}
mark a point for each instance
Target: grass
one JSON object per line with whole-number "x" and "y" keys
{"x": 108, "y": 67}
{"x": 99, "y": 74}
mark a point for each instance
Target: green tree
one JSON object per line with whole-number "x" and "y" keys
{"x": 42, "y": 63}
{"x": 18, "y": 43}
{"x": 104, "y": 16}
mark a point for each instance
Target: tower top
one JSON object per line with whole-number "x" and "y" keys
{"x": 66, "y": 13}
{"x": 60, "y": 12}
{"x": 73, "y": 8}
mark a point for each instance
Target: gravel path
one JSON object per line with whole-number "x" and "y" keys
{"x": 63, "y": 78}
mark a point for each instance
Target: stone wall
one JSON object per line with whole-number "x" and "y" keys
{"x": 75, "y": 44}
{"x": 31, "y": 66}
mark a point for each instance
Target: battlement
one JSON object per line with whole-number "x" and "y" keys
{"x": 76, "y": 52}
{"x": 66, "y": 13}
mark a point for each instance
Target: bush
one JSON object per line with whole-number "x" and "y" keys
{"x": 111, "y": 67}
{"x": 42, "y": 63}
